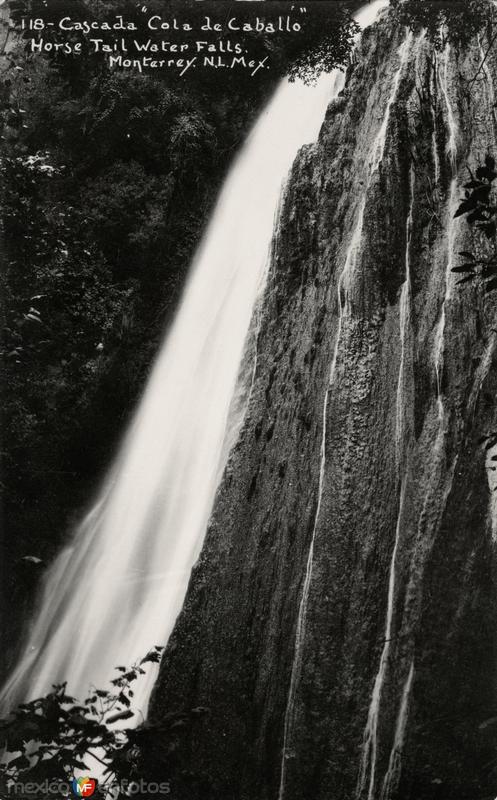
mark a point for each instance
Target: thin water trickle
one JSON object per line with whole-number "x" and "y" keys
{"x": 395, "y": 763}
{"x": 116, "y": 590}
{"x": 368, "y": 766}
{"x": 452, "y": 150}
{"x": 434, "y": 137}
{"x": 491, "y": 470}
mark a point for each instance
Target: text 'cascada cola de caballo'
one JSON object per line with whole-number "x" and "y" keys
{"x": 327, "y": 590}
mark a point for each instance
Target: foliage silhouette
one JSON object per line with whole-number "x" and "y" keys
{"x": 51, "y": 737}
{"x": 480, "y": 209}
{"x": 453, "y": 22}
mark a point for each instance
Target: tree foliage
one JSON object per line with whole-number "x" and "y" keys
{"x": 479, "y": 207}
{"x": 453, "y": 21}
{"x": 56, "y": 736}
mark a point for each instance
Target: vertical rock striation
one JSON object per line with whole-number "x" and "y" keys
{"x": 341, "y": 622}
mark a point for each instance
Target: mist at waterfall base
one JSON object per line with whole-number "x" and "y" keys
{"x": 116, "y": 590}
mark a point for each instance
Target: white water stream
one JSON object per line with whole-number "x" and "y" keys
{"x": 434, "y": 79}
{"x": 115, "y": 591}
{"x": 368, "y": 767}
{"x": 454, "y": 200}
{"x": 365, "y": 17}
{"x": 395, "y": 763}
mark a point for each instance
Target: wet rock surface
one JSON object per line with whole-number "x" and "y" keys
{"x": 417, "y": 482}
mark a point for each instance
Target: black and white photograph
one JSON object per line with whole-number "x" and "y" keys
{"x": 248, "y": 429}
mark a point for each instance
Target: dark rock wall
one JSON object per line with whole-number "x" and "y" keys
{"x": 419, "y": 479}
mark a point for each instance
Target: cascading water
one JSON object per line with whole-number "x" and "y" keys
{"x": 491, "y": 470}
{"x": 368, "y": 767}
{"x": 395, "y": 763}
{"x": 434, "y": 138}
{"x": 374, "y": 161}
{"x": 385, "y": 492}
{"x": 116, "y": 590}
{"x": 451, "y": 232}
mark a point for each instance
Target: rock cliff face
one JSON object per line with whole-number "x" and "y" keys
{"x": 341, "y": 622}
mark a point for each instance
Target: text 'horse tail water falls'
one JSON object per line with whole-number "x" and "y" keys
{"x": 117, "y": 589}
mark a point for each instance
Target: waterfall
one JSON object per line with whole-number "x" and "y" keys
{"x": 434, "y": 138}
{"x": 343, "y": 283}
{"x": 491, "y": 470}
{"x": 395, "y": 762}
{"x": 451, "y": 233}
{"x": 379, "y": 146}
{"x": 451, "y": 120}
{"x": 404, "y": 321}
{"x": 367, "y": 772}
{"x": 115, "y": 591}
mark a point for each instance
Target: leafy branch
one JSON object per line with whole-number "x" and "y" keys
{"x": 50, "y": 737}
{"x": 479, "y": 208}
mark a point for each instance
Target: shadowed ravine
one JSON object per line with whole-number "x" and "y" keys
{"x": 340, "y": 625}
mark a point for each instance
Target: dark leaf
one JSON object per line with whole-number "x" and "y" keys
{"x": 466, "y": 206}
{"x": 481, "y": 194}
{"x": 78, "y": 720}
{"x": 466, "y": 279}
{"x": 490, "y": 162}
{"x": 153, "y": 657}
{"x": 486, "y": 174}
{"x": 467, "y": 254}
{"x": 489, "y": 228}
{"x": 120, "y": 715}
{"x": 20, "y": 763}
{"x": 124, "y": 700}
{"x": 491, "y": 286}
{"x": 479, "y": 215}
{"x": 464, "y": 268}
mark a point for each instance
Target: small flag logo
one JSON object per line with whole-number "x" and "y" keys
{"x": 84, "y": 787}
